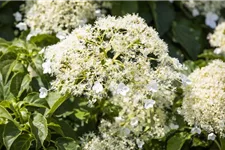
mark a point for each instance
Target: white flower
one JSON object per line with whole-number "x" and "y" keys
{"x": 185, "y": 80}
{"x": 21, "y": 26}
{"x": 195, "y": 130}
{"x": 31, "y": 71}
{"x": 18, "y": 16}
{"x": 47, "y": 67}
{"x": 139, "y": 143}
{"x": 149, "y": 103}
{"x": 134, "y": 122}
{"x": 211, "y": 136}
{"x": 43, "y": 92}
{"x": 119, "y": 119}
{"x": 61, "y": 35}
{"x": 98, "y": 13}
{"x": 152, "y": 86}
{"x": 174, "y": 126}
{"x": 195, "y": 12}
{"x": 97, "y": 87}
{"x": 211, "y": 19}
{"x": 217, "y": 51}
{"x": 125, "y": 131}
{"x": 122, "y": 89}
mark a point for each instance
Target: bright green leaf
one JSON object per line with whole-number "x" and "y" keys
{"x": 33, "y": 99}
{"x": 65, "y": 143}
{"x": 55, "y": 103}
{"x": 5, "y": 114}
{"x": 39, "y": 128}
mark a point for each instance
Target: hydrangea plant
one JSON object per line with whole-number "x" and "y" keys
{"x": 124, "y": 61}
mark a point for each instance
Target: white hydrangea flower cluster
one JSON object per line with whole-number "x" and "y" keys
{"x": 122, "y": 60}
{"x": 109, "y": 142}
{"x": 217, "y": 39}
{"x": 209, "y": 9}
{"x": 114, "y": 55}
{"x": 59, "y": 16}
{"x": 204, "y": 99}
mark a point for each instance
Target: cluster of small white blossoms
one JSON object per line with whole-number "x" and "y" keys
{"x": 217, "y": 39}
{"x": 122, "y": 60}
{"x": 210, "y": 9}
{"x": 92, "y": 142}
{"x": 204, "y": 99}
{"x": 60, "y": 16}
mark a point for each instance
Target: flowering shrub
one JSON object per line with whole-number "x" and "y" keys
{"x": 203, "y": 103}
{"x": 94, "y": 75}
{"x": 60, "y": 17}
{"x": 116, "y": 59}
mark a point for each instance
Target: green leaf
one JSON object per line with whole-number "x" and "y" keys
{"x": 144, "y": 11}
{"x": 39, "y": 128}
{"x": 198, "y": 142}
{"x": 5, "y": 114}
{"x": 33, "y": 100}
{"x": 4, "y": 3}
{"x": 56, "y": 127}
{"x": 18, "y": 67}
{"x": 65, "y": 143}
{"x": 163, "y": 14}
{"x": 124, "y": 7}
{"x": 5, "y": 62}
{"x": 190, "y": 37}
{"x": 11, "y": 132}
{"x": 16, "y": 82}
{"x": 25, "y": 84}
{"x": 55, "y": 103}
{"x": 43, "y": 40}
{"x": 177, "y": 141}
{"x": 81, "y": 114}
{"x": 23, "y": 142}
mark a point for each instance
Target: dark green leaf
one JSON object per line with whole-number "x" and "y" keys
{"x": 23, "y": 142}
{"x": 163, "y": 14}
{"x": 3, "y": 4}
{"x": 16, "y": 82}
{"x": 25, "y": 84}
{"x": 11, "y": 132}
{"x": 124, "y": 7}
{"x": 189, "y": 36}
{"x": 177, "y": 141}
{"x": 56, "y": 127}
{"x": 5, "y": 62}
